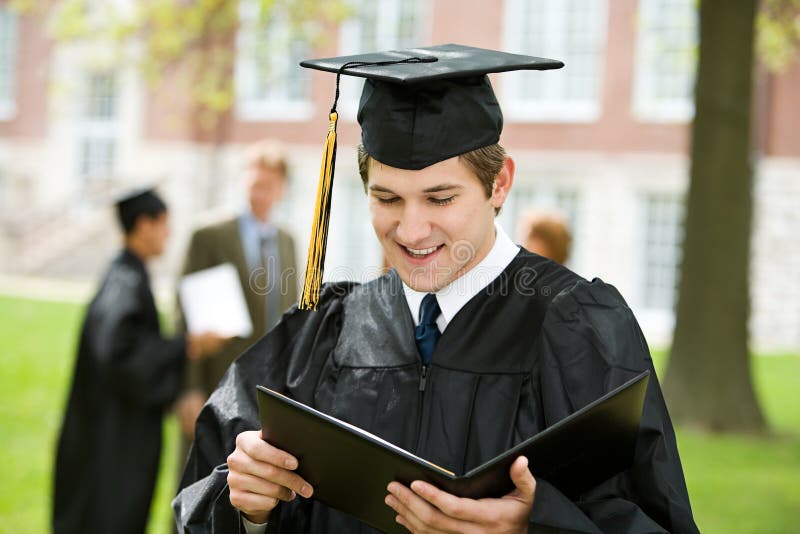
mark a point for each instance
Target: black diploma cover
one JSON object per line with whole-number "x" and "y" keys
{"x": 350, "y": 468}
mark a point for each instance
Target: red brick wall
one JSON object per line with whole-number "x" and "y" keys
{"x": 784, "y": 118}
{"x": 32, "y": 81}
{"x": 480, "y": 23}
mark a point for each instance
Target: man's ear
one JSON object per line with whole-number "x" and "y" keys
{"x": 502, "y": 184}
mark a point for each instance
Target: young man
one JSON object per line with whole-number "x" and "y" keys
{"x": 126, "y": 375}
{"x": 264, "y": 257}
{"x": 467, "y": 347}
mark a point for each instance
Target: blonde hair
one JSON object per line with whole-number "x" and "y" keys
{"x": 267, "y": 153}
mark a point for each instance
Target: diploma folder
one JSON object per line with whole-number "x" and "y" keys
{"x": 350, "y": 468}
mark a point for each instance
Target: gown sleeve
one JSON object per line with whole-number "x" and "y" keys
{"x": 133, "y": 358}
{"x": 290, "y": 359}
{"x": 591, "y": 343}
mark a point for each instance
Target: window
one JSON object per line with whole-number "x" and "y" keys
{"x": 8, "y": 59}
{"x": 97, "y": 150}
{"x": 666, "y": 60}
{"x": 378, "y": 25}
{"x": 573, "y": 31}
{"x": 663, "y": 236}
{"x": 269, "y": 82}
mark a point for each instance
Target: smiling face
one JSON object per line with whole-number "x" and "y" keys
{"x": 434, "y": 224}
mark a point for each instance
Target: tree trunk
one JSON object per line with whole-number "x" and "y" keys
{"x": 708, "y": 382}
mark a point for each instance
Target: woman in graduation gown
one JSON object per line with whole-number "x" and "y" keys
{"x": 531, "y": 345}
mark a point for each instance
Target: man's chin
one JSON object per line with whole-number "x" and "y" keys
{"x": 425, "y": 281}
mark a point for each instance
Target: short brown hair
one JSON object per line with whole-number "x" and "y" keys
{"x": 267, "y": 153}
{"x": 551, "y": 228}
{"x": 486, "y": 162}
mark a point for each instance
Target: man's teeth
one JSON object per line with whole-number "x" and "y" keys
{"x": 421, "y": 252}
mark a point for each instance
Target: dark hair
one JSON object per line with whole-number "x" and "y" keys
{"x": 486, "y": 162}
{"x": 146, "y": 204}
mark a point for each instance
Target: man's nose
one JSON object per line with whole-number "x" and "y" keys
{"x": 414, "y": 227}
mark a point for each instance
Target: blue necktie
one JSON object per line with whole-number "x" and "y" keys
{"x": 427, "y": 333}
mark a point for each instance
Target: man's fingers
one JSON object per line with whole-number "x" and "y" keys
{"x": 449, "y": 504}
{"x": 256, "y": 457}
{"x": 259, "y": 486}
{"x": 240, "y": 462}
{"x": 254, "y": 445}
{"x": 523, "y": 480}
{"x": 405, "y": 516}
{"x": 251, "y": 503}
{"x": 421, "y": 514}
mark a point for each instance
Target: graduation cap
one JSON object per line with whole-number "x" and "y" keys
{"x": 132, "y": 204}
{"x": 418, "y": 107}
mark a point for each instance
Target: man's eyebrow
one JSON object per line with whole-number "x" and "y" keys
{"x": 434, "y": 189}
{"x": 442, "y": 187}
{"x": 380, "y": 189}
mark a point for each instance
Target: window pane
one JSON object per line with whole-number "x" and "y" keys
{"x": 573, "y": 31}
{"x": 666, "y": 58}
{"x": 663, "y": 252}
{"x": 8, "y": 53}
{"x": 101, "y": 96}
{"x": 97, "y": 158}
{"x": 269, "y": 82}
{"x": 277, "y": 54}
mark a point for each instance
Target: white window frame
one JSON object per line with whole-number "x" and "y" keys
{"x": 552, "y": 108}
{"x": 97, "y": 129}
{"x": 647, "y": 303}
{"x": 9, "y": 42}
{"x": 249, "y": 106}
{"x": 646, "y": 106}
{"x": 350, "y": 42}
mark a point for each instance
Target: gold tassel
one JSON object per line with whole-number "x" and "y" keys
{"x": 319, "y": 230}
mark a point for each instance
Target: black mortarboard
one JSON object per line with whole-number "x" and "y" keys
{"x": 132, "y": 204}
{"x": 418, "y": 107}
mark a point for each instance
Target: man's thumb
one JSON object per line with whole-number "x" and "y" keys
{"x": 523, "y": 479}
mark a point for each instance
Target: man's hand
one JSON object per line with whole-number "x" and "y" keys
{"x": 203, "y": 345}
{"x": 187, "y": 408}
{"x": 259, "y": 476}
{"x": 424, "y": 508}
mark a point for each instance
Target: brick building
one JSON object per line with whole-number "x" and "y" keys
{"x": 604, "y": 140}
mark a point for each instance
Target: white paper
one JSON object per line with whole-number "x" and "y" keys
{"x": 213, "y": 301}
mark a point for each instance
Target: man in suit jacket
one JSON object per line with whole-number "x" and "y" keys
{"x": 264, "y": 257}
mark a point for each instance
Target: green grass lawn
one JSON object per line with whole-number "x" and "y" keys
{"x": 737, "y": 484}
{"x": 38, "y": 342}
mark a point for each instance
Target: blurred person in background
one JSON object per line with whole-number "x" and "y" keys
{"x": 545, "y": 233}
{"x": 126, "y": 374}
{"x": 264, "y": 257}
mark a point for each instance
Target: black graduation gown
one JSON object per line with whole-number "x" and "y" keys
{"x": 534, "y": 346}
{"x": 126, "y": 374}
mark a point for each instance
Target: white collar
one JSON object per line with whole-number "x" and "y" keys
{"x": 455, "y": 295}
